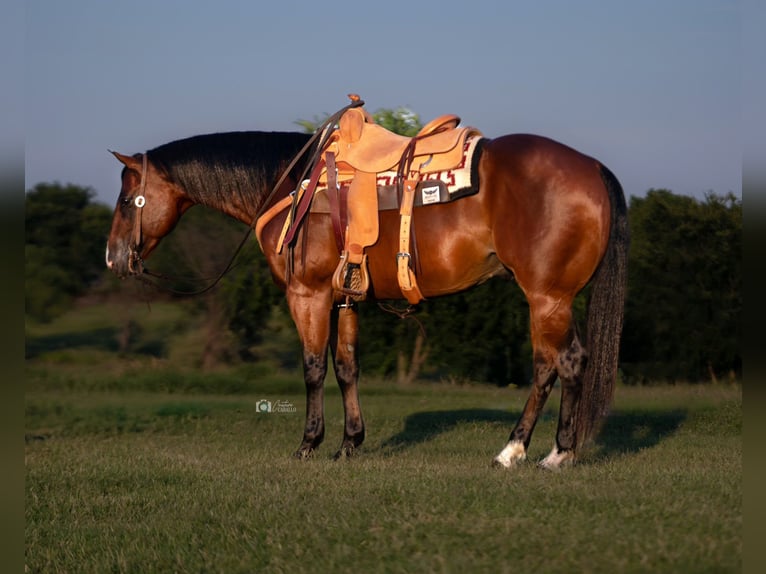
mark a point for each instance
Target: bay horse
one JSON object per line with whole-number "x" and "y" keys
{"x": 551, "y": 217}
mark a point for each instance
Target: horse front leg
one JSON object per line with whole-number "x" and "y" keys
{"x": 314, "y": 371}
{"x": 343, "y": 343}
{"x": 311, "y": 314}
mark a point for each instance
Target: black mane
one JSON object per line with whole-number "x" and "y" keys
{"x": 218, "y": 168}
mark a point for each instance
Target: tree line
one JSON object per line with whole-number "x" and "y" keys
{"x": 683, "y": 311}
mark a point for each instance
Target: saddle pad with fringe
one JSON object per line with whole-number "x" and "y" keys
{"x": 436, "y": 187}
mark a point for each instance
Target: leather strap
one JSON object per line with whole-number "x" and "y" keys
{"x": 134, "y": 258}
{"x": 333, "y": 197}
{"x": 303, "y": 204}
{"x": 344, "y": 207}
{"x": 407, "y": 282}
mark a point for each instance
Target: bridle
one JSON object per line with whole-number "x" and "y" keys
{"x": 135, "y": 263}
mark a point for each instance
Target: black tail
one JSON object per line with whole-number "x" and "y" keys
{"x": 605, "y": 318}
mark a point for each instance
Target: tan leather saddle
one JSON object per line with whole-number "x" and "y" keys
{"x": 355, "y": 152}
{"x": 361, "y": 145}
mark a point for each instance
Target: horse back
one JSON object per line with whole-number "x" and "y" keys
{"x": 541, "y": 213}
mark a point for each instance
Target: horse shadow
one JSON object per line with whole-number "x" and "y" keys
{"x": 630, "y": 431}
{"x": 623, "y": 432}
{"x": 425, "y": 426}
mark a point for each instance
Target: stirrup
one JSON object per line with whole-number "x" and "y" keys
{"x": 352, "y": 279}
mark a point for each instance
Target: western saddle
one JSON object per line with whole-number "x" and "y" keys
{"x": 354, "y": 153}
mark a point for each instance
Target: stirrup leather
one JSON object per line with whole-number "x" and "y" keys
{"x": 407, "y": 282}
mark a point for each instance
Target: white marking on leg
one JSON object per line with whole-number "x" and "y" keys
{"x": 513, "y": 453}
{"x": 557, "y": 458}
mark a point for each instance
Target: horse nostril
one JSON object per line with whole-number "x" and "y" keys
{"x": 109, "y": 263}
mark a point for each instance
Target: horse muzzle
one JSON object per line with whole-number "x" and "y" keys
{"x": 135, "y": 263}
{"x": 126, "y": 263}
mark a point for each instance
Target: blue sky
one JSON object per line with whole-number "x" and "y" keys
{"x": 651, "y": 88}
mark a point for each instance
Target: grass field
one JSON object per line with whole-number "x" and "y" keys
{"x": 141, "y": 462}
{"x": 136, "y": 481}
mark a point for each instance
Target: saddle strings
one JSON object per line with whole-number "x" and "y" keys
{"x": 406, "y": 313}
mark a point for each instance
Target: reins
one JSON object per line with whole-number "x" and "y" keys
{"x": 323, "y": 133}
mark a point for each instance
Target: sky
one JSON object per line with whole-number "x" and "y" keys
{"x": 650, "y": 88}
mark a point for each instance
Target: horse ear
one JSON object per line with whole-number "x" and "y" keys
{"x": 127, "y": 160}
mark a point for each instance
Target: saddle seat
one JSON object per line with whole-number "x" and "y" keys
{"x": 359, "y": 144}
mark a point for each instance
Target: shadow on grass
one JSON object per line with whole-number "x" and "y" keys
{"x": 103, "y": 339}
{"x": 623, "y": 432}
{"x": 630, "y": 431}
{"x": 423, "y": 427}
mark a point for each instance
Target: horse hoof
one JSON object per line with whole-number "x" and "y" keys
{"x": 557, "y": 460}
{"x": 303, "y": 453}
{"x": 513, "y": 453}
{"x": 501, "y": 463}
{"x": 344, "y": 453}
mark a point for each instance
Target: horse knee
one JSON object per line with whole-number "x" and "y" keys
{"x": 314, "y": 369}
{"x": 347, "y": 372}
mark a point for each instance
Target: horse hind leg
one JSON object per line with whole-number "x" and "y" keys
{"x": 551, "y": 331}
{"x": 516, "y": 449}
{"x": 571, "y": 368}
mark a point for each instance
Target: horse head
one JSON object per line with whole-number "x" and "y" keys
{"x": 148, "y": 208}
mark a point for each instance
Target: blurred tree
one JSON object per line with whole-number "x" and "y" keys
{"x": 65, "y": 238}
{"x": 250, "y": 297}
{"x": 236, "y": 309}
{"x": 401, "y": 120}
{"x": 684, "y": 304}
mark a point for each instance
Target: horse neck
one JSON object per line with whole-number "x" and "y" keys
{"x": 233, "y": 173}
{"x": 244, "y": 205}
{"x": 233, "y": 206}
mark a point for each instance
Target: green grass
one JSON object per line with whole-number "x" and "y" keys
{"x": 139, "y": 461}
{"x": 126, "y": 477}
